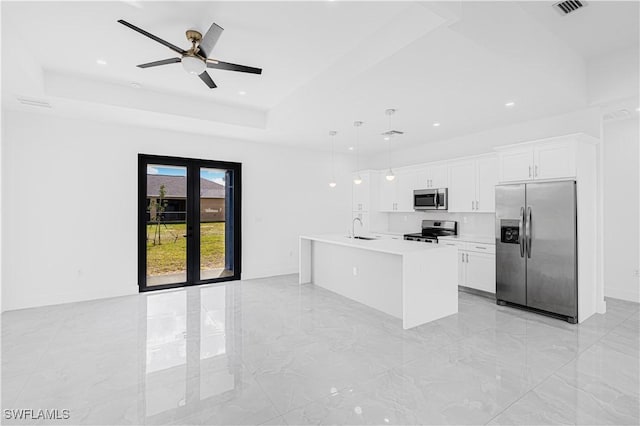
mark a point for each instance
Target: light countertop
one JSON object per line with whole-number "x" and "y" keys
{"x": 481, "y": 239}
{"x": 384, "y": 245}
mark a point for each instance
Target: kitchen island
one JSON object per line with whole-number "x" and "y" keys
{"x": 415, "y": 282}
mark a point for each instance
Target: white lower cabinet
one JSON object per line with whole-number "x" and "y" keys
{"x": 476, "y": 265}
{"x": 480, "y": 271}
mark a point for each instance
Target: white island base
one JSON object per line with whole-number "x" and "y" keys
{"x": 412, "y": 281}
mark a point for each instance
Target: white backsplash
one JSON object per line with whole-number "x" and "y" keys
{"x": 468, "y": 223}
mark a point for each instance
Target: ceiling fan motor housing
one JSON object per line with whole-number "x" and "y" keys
{"x": 194, "y": 36}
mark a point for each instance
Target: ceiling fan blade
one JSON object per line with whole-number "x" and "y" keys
{"x": 162, "y": 62}
{"x": 211, "y": 63}
{"x": 210, "y": 39}
{"x": 207, "y": 80}
{"x": 152, "y": 37}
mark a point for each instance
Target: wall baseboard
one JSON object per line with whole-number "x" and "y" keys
{"x": 616, "y": 293}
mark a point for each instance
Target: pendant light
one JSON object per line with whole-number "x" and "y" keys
{"x": 388, "y": 135}
{"x": 358, "y": 179}
{"x": 332, "y": 181}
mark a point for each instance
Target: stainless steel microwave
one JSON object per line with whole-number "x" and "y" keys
{"x": 430, "y": 199}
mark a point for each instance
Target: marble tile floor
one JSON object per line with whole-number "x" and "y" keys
{"x": 272, "y": 352}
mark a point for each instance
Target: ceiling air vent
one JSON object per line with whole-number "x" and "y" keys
{"x": 34, "y": 102}
{"x": 566, "y": 7}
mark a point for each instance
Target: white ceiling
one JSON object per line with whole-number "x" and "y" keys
{"x": 325, "y": 65}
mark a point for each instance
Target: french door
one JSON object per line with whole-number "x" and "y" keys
{"x": 188, "y": 221}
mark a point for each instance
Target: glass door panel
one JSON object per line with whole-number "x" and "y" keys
{"x": 214, "y": 221}
{"x": 166, "y": 224}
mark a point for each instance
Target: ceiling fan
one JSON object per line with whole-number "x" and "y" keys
{"x": 195, "y": 60}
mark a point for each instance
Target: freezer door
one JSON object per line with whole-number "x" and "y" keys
{"x": 511, "y": 280}
{"x": 552, "y": 283}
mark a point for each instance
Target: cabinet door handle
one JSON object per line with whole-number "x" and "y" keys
{"x": 467, "y": 257}
{"x": 529, "y": 171}
{"x": 536, "y": 171}
{"x": 472, "y": 205}
{"x": 462, "y": 259}
{"x": 481, "y": 248}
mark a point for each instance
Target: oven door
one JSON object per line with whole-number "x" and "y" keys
{"x": 425, "y": 199}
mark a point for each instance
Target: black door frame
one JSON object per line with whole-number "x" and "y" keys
{"x": 233, "y": 195}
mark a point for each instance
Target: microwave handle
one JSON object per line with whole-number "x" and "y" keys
{"x": 437, "y": 198}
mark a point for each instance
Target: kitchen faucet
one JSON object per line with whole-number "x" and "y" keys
{"x": 353, "y": 226}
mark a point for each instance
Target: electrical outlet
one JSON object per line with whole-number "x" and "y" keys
{"x": 464, "y": 219}
{"x": 405, "y": 217}
{"x": 636, "y": 273}
{"x": 355, "y": 271}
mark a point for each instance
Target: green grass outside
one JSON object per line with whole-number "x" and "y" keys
{"x": 171, "y": 256}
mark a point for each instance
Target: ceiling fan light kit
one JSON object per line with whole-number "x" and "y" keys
{"x": 195, "y": 60}
{"x": 193, "y": 64}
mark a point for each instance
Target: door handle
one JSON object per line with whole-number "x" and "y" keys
{"x": 529, "y": 232}
{"x": 521, "y": 231}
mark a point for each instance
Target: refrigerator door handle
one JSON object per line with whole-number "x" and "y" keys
{"x": 528, "y": 231}
{"x": 521, "y": 231}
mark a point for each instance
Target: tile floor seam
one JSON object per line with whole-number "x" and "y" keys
{"x": 557, "y": 369}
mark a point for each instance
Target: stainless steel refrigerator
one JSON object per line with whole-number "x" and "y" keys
{"x": 536, "y": 247}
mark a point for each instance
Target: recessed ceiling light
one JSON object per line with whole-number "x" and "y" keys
{"x": 436, "y": 124}
{"x": 242, "y": 93}
{"x": 386, "y": 138}
{"x": 135, "y": 85}
{"x": 350, "y": 148}
{"x": 509, "y": 104}
{"x": 101, "y": 62}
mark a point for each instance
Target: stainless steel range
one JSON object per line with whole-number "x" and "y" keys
{"x": 432, "y": 229}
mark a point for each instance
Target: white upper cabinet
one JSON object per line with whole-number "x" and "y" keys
{"x": 366, "y": 195}
{"x": 516, "y": 165}
{"x": 361, "y": 192}
{"x": 472, "y": 185}
{"x": 387, "y": 193}
{"x": 397, "y": 195}
{"x": 486, "y": 180}
{"x": 433, "y": 176}
{"x": 438, "y": 176}
{"x": 462, "y": 186}
{"x": 553, "y": 159}
{"x": 407, "y": 183}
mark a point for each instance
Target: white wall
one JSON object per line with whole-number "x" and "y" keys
{"x": 613, "y": 76}
{"x": 621, "y": 210}
{"x": 70, "y": 204}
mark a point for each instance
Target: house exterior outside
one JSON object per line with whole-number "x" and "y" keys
{"x": 212, "y": 198}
